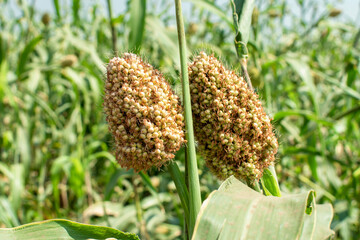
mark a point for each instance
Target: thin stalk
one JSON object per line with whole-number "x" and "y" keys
{"x": 352, "y": 110}
{"x": 191, "y": 166}
{"x": 243, "y": 64}
{"x": 112, "y": 27}
{"x": 242, "y": 53}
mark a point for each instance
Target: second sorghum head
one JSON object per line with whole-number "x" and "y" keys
{"x": 234, "y": 133}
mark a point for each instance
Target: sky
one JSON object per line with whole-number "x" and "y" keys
{"x": 350, "y": 8}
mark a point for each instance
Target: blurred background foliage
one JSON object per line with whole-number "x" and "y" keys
{"x": 55, "y": 149}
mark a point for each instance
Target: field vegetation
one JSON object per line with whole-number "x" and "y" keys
{"x": 55, "y": 148}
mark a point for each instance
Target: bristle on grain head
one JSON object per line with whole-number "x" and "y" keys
{"x": 144, "y": 115}
{"x": 234, "y": 133}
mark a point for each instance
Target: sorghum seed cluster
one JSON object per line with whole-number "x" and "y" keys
{"x": 143, "y": 113}
{"x": 233, "y": 131}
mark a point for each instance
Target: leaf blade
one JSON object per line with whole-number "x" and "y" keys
{"x": 136, "y": 24}
{"x": 62, "y": 229}
{"x": 260, "y": 217}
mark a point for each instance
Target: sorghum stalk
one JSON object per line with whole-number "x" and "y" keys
{"x": 191, "y": 164}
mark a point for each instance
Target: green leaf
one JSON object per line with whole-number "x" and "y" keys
{"x": 269, "y": 182}
{"x": 119, "y": 19}
{"x": 75, "y": 9}
{"x": 242, "y": 12}
{"x": 136, "y": 24}
{"x": 235, "y": 211}
{"x": 57, "y": 8}
{"x": 183, "y": 192}
{"x": 63, "y": 229}
{"x": 26, "y": 53}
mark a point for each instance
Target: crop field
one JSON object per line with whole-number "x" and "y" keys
{"x": 57, "y": 155}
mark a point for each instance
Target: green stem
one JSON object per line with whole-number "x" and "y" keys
{"x": 242, "y": 53}
{"x": 191, "y": 167}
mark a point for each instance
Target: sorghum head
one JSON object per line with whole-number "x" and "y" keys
{"x": 234, "y": 133}
{"x": 143, "y": 113}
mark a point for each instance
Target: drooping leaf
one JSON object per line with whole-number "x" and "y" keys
{"x": 63, "y": 229}
{"x": 235, "y": 211}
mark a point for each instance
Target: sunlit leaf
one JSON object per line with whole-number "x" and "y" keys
{"x": 235, "y": 211}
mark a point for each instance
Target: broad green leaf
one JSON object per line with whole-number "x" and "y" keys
{"x": 235, "y": 211}
{"x": 62, "y": 229}
{"x": 136, "y": 24}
